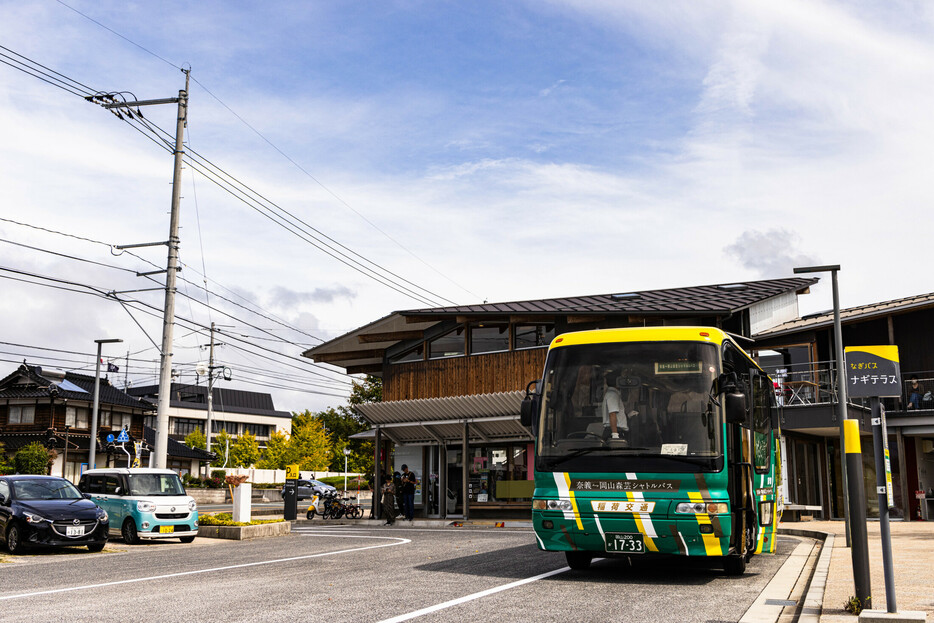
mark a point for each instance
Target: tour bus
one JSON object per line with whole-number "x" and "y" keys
{"x": 654, "y": 441}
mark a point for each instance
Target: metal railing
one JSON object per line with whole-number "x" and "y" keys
{"x": 805, "y": 384}
{"x": 815, "y": 383}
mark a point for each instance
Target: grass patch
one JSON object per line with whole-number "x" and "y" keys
{"x": 226, "y": 519}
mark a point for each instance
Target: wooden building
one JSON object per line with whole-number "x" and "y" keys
{"x": 454, "y": 378}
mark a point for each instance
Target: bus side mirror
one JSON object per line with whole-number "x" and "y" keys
{"x": 735, "y": 408}
{"x": 529, "y": 407}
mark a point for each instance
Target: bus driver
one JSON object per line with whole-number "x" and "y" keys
{"x": 613, "y": 409}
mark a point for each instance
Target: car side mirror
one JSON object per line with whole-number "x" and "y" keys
{"x": 2, "y": 499}
{"x": 86, "y": 496}
{"x": 735, "y": 408}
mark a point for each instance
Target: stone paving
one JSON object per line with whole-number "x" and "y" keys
{"x": 913, "y": 559}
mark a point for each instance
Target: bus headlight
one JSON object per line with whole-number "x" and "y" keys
{"x": 701, "y": 508}
{"x": 552, "y": 505}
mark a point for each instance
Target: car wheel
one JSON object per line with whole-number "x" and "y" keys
{"x": 186, "y": 539}
{"x": 14, "y": 540}
{"x": 130, "y": 535}
{"x": 95, "y": 547}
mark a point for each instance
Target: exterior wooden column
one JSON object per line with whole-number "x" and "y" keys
{"x": 465, "y": 470}
{"x": 443, "y": 480}
{"x": 903, "y": 473}
{"x": 375, "y": 502}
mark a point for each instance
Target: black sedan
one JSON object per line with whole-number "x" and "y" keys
{"x": 48, "y": 511}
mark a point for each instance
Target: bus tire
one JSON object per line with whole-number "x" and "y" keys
{"x": 578, "y": 560}
{"x": 734, "y": 565}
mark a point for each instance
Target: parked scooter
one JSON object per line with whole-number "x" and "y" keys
{"x": 325, "y": 505}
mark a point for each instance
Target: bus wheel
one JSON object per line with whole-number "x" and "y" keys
{"x": 734, "y": 565}
{"x": 578, "y": 560}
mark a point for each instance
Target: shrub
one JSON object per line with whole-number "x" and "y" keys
{"x": 226, "y": 519}
{"x": 338, "y": 481}
{"x": 194, "y": 482}
{"x": 219, "y": 473}
{"x": 33, "y": 459}
{"x": 214, "y": 482}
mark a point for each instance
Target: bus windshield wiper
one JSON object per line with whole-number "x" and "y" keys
{"x": 576, "y": 453}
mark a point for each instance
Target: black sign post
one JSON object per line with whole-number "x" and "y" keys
{"x": 873, "y": 372}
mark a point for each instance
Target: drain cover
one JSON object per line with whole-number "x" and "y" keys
{"x": 780, "y": 602}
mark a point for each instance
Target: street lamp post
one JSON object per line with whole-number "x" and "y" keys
{"x": 92, "y": 455}
{"x": 346, "y": 454}
{"x": 841, "y": 381}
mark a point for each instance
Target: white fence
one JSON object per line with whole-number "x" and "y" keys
{"x": 278, "y": 475}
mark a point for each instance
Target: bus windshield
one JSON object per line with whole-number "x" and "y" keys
{"x": 630, "y": 406}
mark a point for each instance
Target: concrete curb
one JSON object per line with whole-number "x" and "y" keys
{"x": 418, "y": 523}
{"x": 242, "y": 533}
{"x": 814, "y": 597}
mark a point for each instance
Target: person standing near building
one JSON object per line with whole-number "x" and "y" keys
{"x": 408, "y": 493}
{"x": 389, "y": 502}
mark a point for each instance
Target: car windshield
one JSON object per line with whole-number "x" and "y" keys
{"x": 155, "y": 484}
{"x": 45, "y": 490}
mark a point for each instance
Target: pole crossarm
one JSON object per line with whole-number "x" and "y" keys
{"x": 166, "y": 100}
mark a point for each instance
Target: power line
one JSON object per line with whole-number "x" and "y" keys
{"x": 277, "y": 149}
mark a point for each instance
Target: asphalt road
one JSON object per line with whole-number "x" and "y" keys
{"x": 351, "y": 573}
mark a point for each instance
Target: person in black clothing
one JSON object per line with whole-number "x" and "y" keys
{"x": 389, "y": 502}
{"x": 408, "y": 493}
{"x": 397, "y": 481}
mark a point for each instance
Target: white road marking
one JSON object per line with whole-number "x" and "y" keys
{"x": 398, "y": 541}
{"x": 466, "y": 598}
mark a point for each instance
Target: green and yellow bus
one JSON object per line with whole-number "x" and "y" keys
{"x": 654, "y": 441}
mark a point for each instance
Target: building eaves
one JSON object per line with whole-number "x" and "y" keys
{"x": 851, "y": 314}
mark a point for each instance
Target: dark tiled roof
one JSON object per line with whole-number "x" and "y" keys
{"x": 178, "y": 449}
{"x": 32, "y": 384}
{"x": 225, "y": 400}
{"x": 718, "y": 298}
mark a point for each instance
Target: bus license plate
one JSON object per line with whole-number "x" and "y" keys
{"x": 166, "y": 529}
{"x": 74, "y": 531}
{"x": 625, "y": 543}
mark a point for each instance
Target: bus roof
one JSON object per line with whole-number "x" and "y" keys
{"x": 642, "y": 334}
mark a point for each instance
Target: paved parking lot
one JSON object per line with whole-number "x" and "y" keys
{"x": 351, "y": 573}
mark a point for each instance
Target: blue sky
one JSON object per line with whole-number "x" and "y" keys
{"x": 482, "y": 150}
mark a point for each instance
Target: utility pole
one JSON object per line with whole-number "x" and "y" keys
{"x": 168, "y": 318}
{"x": 208, "y": 428}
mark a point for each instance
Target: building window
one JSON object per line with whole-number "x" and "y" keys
{"x": 149, "y": 421}
{"x": 22, "y": 414}
{"x": 258, "y": 430}
{"x": 179, "y": 466}
{"x": 218, "y": 426}
{"x": 416, "y": 354}
{"x": 122, "y": 420}
{"x": 489, "y": 338}
{"x": 76, "y": 417}
{"x": 185, "y": 426}
{"x": 533, "y": 335}
{"x": 105, "y": 419}
{"x": 451, "y": 344}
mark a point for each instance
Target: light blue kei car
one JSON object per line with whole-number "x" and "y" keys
{"x": 143, "y": 503}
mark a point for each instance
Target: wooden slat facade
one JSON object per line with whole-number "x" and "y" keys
{"x": 460, "y": 376}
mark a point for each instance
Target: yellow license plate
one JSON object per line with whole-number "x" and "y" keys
{"x": 166, "y": 529}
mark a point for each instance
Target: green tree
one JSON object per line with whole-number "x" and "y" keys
{"x": 6, "y": 466}
{"x": 196, "y": 439}
{"x": 244, "y": 452}
{"x": 220, "y": 446}
{"x": 309, "y": 445}
{"x": 33, "y": 459}
{"x": 277, "y": 452}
